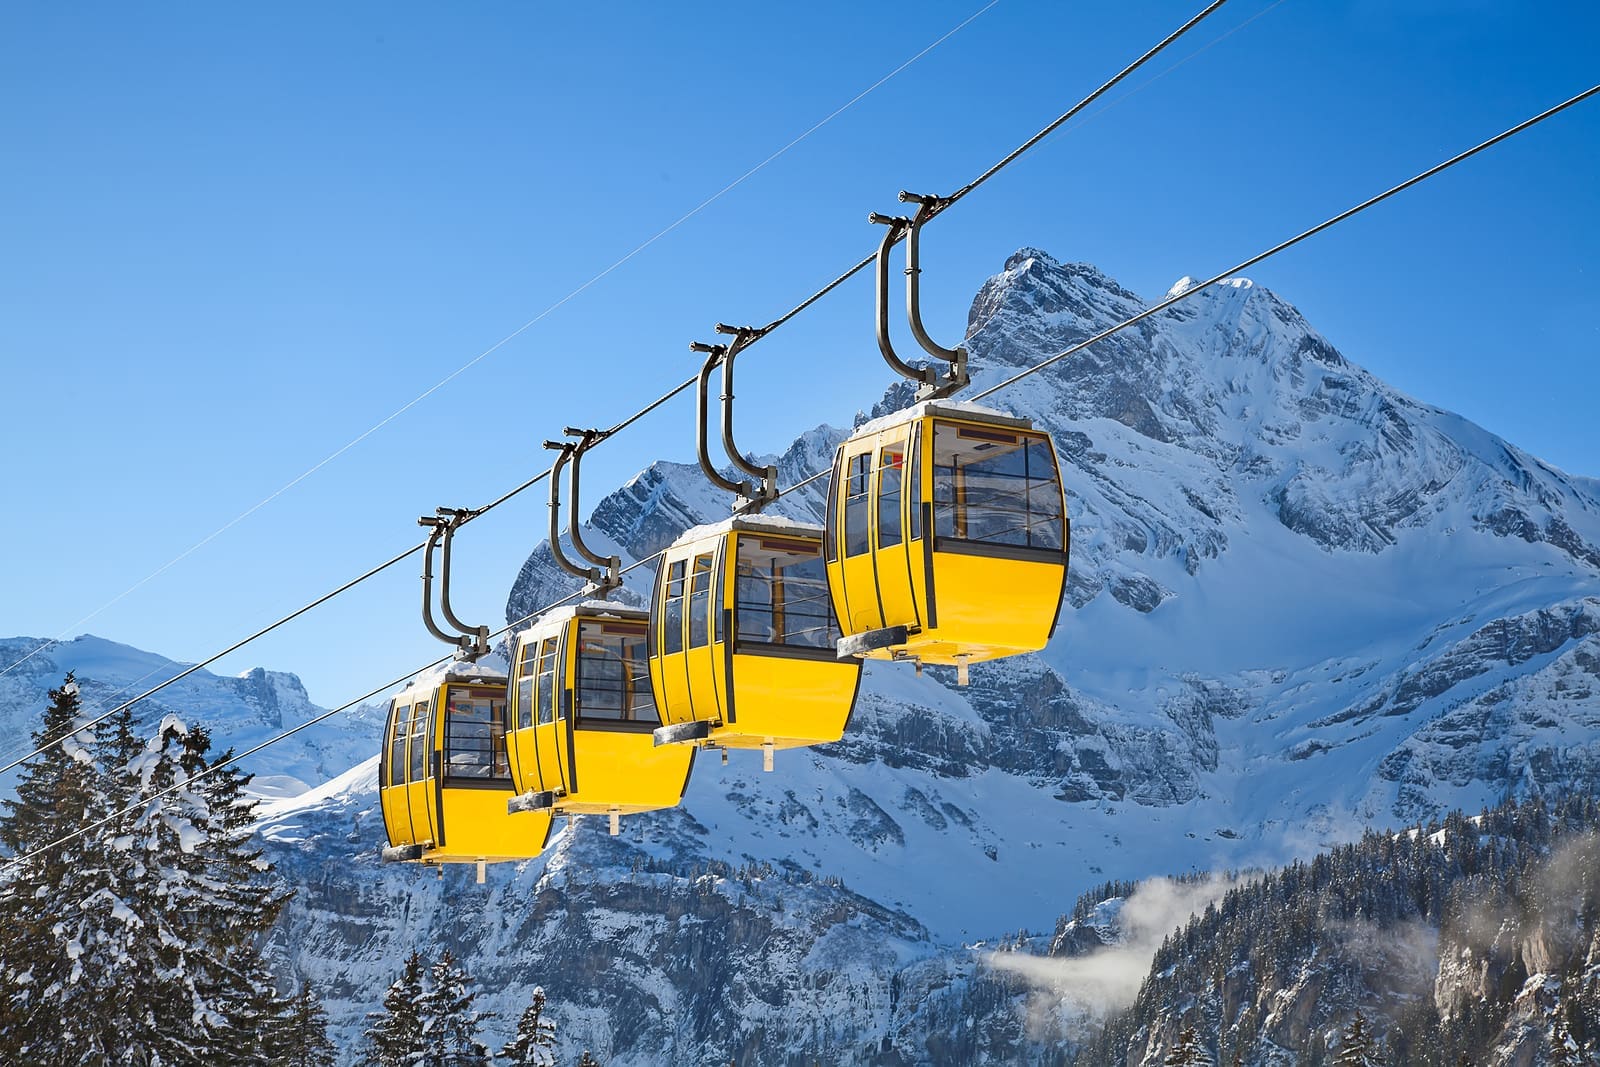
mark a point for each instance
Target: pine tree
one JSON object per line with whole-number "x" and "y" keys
{"x": 587, "y": 1060}
{"x": 298, "y": 1036}
{"x": 449, "y": 1024}
{"x": 1187, "y": 1051}
{"x": 1356, "y": 1048}
{"x": 395, "y": 1038}
{"x": 42, "y": 1002}
{"x": 535, "y": 1043}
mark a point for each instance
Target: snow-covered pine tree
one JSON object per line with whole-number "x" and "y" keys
{"x": 587, "y": 1060}
{"x": 202, "y": 897}
{"x": 1187, "y": 1052}
{"x": 298, "y": 1037}
{"x": 449, "y": 1023}
{"x": 1357, "y": 1047}
{"x": 39, "y": 958}
{"x": 535, "y": 1043}
{"x": 244, "y": 902}
{"x": 395, "y": 1037}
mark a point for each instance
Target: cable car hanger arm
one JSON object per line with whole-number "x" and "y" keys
{"x": 602, "y": 581}
{"x": 767, "y": 490}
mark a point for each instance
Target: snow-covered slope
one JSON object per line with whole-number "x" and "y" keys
{"x": 1300, "y": 603}
{"x": 241, "y": 711}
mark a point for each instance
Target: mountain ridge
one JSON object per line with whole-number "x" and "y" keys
{"x": 1300, "y": 604}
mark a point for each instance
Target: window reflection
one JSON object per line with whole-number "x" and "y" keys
{"x": 782, "y": 593}
{"x": 613, "y": 674}
{"x": 996, "y": 487}
{"x": 475, "y": 742}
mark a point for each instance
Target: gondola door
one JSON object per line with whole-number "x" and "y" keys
{"x": 419, "y": 773}
{"x": 700, "y": 658}
{"x": 891, "y": 530}
{"x": 853, "y": 529}
{"x": 551, "y": 737}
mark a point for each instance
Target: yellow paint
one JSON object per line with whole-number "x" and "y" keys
{"x": 473, "y": 816}
{"x": 986, "y": 602}
{"x": 595, "y": 765}
{"x": 754, "y": 693}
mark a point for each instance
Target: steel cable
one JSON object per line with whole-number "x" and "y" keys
{"x": 664, "y": 398}
{"x": 1334, "y": 220}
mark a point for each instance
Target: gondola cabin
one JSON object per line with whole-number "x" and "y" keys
{"x": 947, "y": 536}
{"x": 743, "y": 638}
{"x": 444, "y": 777}
{"x": 583, "y": 714}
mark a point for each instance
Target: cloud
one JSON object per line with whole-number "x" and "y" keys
{"x": 1069, "y": 994}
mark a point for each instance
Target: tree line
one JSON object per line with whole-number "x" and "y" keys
{"x": 1421, "y": 948}
{"x": 138, "y": 942}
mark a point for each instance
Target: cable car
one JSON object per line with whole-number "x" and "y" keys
{"x": 947, "y": 534}
{"x": 583, "y": 716}
{"x": 443, "y": 777}
{"x": 742, "y": 639}
{"x": 443, "y": 774}
{"x": 582, "y": 712}
{"x": 742, "y": 629}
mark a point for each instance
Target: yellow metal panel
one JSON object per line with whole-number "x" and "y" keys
{"x": 989, "y": 608}
{"x": 396, "y": 819}
{"x": 478, "y": 827}
{"x": 624, "y": 771}
{"x": 860, "y": 610}
{"x": 891, "y": 566}
{"x": 789, "y": 702}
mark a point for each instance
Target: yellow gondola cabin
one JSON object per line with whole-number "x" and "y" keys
{"x": 583, "y": 712}
{"x": 743, "y": 634}
{"x": 443, "y": 774}
{"x": 947, "y": 536}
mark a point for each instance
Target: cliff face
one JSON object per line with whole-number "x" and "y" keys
{"x": 1300, "y": 603}
{"x": 1474, "y": 937}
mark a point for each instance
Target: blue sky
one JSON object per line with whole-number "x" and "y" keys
{"x": 236, "y": 238}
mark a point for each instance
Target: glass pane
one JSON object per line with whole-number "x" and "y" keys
{"x": 830, "y": 537}
{"x": 915, "y": 484}
{"x": 857, "y": 488}
{"x": 420, "y": 742}
{"x": 782, "y": 594}
{"x": 501, "y": 766}
{"x": 719, "y": 600}
{"x": 672, "y": 618}
{"x": 547, "y": 681}
{"x": 699, "y": 602}
{"x": 997, "y": 487}
{"x": 397, "y": 745}
{"x": 527, "y": 670}
{"x": 474, "y": 741}
{"x": 890, "y": 466}
{"x": 614, "y": 676}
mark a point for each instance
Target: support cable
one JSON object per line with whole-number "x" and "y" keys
{"x": 513, "y": 335}
{"x": 1430, "y": 172}
{"x": 1257, "y": 258}
{"x": 756, "y": 335}
{"x": 184, "y": 783}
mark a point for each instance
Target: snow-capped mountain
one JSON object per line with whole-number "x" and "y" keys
{"x": 1301, "y": 603}
{"x": 241, "y": 711}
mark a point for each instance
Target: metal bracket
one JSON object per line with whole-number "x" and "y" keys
{"x": 533, "y": 800}
{"x": 752, "y": 495}
{"x": 681, "y": 732}
{"x": 403, "y": 853}
{"x": 472, "y": 642}
{"x": 931, "y": 384}
{"x": 606, "y": 575}
{"x": 861, "y": 644}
